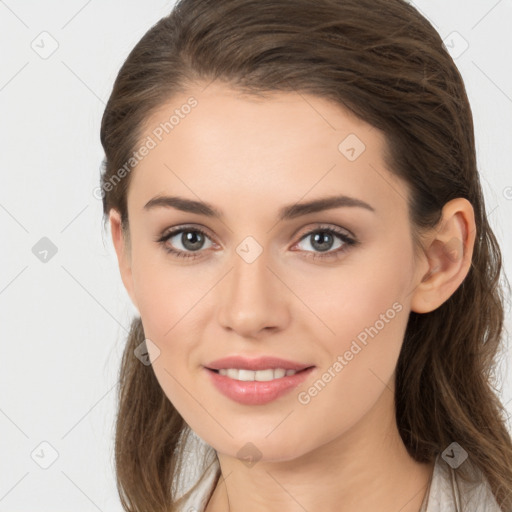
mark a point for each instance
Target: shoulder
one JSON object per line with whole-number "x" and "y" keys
{"x": 459, "y": 489}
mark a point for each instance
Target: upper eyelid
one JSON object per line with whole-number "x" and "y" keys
{"x": 327, "y": 227}
{"x": 167, "y": 233}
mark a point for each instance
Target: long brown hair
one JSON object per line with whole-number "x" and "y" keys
{"x": 385, "y": 62}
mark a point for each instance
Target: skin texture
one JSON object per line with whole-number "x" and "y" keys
{"x": 249, "y": 157}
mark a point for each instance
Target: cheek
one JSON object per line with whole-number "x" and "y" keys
{"x": 358, "y": 370}
{"x": 367, "y": 291}
{"x": 366, "y": 309}
{"x": 166, "y": 293}
{"x": 169, "y": 299}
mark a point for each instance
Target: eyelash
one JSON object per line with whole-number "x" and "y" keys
{"x": 348, "y": 242}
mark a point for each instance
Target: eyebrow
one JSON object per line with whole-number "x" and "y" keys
{"x": 285, "y": 213}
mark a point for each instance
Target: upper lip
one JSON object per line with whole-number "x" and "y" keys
{"x": 259, "y": 363}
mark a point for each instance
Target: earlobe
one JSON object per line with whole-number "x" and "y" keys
{"x": 122, "y": 248}
{"x": 449, "y": 252}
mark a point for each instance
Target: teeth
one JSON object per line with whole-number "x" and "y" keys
{"x": 260, "y": 375}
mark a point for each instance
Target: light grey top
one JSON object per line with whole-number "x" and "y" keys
{"x": 447, "y": 492}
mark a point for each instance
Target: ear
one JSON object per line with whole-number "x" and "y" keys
{"x": 449, "y": 251}
{"x": 121, "y": 243}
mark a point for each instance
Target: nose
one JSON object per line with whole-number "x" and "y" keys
{"x": 253, "y": 298}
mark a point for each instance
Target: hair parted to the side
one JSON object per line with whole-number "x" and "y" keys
{"x": 382, "y": 60}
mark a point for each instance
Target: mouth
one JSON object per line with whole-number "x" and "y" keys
{"x": 265, "y": 375}
{"x": 257, "y": 387}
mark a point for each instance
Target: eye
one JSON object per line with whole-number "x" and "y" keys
{"x": 322, "y": 239}
{"x": 191, "y": 239}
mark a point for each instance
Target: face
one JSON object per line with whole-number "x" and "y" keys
{"x": 326, "y": 288}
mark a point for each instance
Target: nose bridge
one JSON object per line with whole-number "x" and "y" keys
{"x": 253, "y": 299}
{"x": 250, "y": 274}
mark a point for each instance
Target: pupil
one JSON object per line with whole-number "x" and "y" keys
{"x": 192, "y": 240}
{"x": 322, "y": 238}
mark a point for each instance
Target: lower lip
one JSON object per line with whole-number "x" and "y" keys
{"x": 257, "y": 392}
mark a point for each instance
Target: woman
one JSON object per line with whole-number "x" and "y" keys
{"x": 297, "y": 214}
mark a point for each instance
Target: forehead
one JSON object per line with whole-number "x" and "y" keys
{"x": 216, "y": 142}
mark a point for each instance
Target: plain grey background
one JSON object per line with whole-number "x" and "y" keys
{"x": 64, "y": 313}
